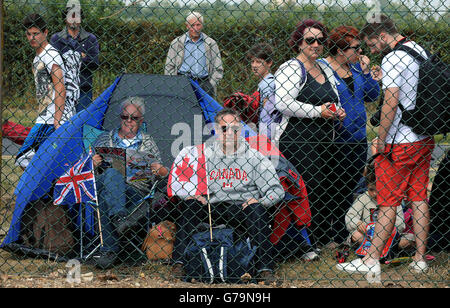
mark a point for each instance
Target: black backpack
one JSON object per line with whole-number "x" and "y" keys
{"x": 220, "y": 260}
{"x": 431, "y": 115}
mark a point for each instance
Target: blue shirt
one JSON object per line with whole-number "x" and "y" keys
{"x": 194, "y": 62}
{"x": 366, "y": 89}
{"x": 118, "y": 142}
{"x": 269, "y": 116}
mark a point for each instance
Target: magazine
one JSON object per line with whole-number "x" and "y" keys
{"x": 139, "y": 166}
{"x": 134, "y": 165}
{"x": 114, "y": 158}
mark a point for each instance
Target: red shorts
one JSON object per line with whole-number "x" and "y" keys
{"x": 405, "y": 175}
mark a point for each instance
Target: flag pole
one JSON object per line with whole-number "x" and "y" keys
{"x": 96, "y": 202}
{"x": 209, "y": 203}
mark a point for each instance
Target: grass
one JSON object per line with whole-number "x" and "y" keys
{"x": 298, "y": 273}
{"x": 293, "y": 273}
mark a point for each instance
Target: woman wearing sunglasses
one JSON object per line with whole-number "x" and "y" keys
{"x": 355, "y": 86}
{"x": 306, "y": 95}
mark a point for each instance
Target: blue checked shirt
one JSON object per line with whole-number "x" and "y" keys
{"x": 194, "y": 62}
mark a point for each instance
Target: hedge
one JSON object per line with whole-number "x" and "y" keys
{"x": 137, "y": 40}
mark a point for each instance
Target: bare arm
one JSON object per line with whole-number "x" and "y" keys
{"x": 60, "y": 94}
{"x": 388, "y": 111}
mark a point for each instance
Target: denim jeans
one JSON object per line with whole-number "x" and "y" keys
{"x": 115, "y": 197}
{"x": 84, "y": 101}
{"x": 255, "y": 219}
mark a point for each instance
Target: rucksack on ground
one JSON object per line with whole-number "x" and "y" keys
{"x": 431, "y": 115}
{"x": 218, "y": 261}
{"x": 49, "y": 227}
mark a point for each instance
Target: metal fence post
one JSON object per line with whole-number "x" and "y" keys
{"x": 1, "y": 81}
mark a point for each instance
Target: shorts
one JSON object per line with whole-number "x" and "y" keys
{"x": 404, "y": 173}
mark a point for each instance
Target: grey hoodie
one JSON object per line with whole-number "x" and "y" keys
{"x": 242, "y": 175}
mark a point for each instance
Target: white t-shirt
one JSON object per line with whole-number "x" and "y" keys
{"x": 266, "y": 86}
{"x": 45, "y": 91}
{"x": 400, "y": 70}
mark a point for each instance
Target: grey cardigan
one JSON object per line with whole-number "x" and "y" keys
{"x": 175, "y": 58}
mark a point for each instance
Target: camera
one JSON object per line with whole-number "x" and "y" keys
{"x": 376, "y": 118}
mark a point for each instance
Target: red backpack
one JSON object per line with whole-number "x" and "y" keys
{"x": 246, "y": 105}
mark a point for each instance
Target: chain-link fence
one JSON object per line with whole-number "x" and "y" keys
{"x": 328, "y": 164}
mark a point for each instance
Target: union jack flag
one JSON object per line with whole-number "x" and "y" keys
{"x": 78, "y": 184}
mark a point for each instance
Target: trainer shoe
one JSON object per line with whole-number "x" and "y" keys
{"x": 122, "y": 223}
{"x": 373, "y": 272}
{"x": 418, "y": 267}
{"x": 105, "y": 260}
{"x": 310, "y": 256}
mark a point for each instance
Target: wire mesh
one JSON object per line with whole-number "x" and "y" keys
{"x": 115, "y": 151}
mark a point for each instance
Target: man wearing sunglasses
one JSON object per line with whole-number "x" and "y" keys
{"x": 402, "y": 167}
{"x": 117, "y": 195}
{"x": 242, "y": 185}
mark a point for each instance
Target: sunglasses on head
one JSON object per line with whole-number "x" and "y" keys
{"x": 129, "y": 117}
{"x": 312, "y": 40}
{"x": 234, "y": 128}
{"x": 357, "y": 47}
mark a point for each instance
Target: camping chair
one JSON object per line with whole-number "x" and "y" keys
{"x": 93, "y": 205}
{"x": 141, "y": 209}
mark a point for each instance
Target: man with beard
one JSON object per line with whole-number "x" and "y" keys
{"x": 403, "y": 160}
{"x": 79, "y": 50}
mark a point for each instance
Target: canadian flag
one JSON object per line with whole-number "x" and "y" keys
{"x": 188, "y": 173}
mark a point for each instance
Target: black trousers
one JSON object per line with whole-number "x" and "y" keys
{"x": 203, "y": 82}
{"x": 254, "y": 219}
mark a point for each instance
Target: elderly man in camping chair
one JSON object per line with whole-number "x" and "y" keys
{"x": 127, "y": 160}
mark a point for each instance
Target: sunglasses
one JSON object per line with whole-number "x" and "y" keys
{"x": 312, "y": 40}
{"x": 129, "y": 117}
{"x": 234, "y": 128}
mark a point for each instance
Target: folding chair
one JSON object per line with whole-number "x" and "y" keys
{"x": 140, "y": 210}
{"x": 98, "y": 237}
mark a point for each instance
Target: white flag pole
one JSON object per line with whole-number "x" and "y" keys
{"x": 96, "y": 201}
{"x": 207, "y": 194}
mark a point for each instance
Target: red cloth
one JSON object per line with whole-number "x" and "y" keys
{"x": 296, "y": 211}
{"x": 247, "y": 105}
{"x": 15, "y": 132}
{"x": 408, "y": 221}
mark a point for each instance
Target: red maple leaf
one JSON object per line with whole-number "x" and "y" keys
{"x": 184, "y": 171}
